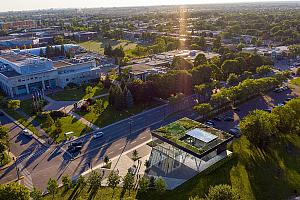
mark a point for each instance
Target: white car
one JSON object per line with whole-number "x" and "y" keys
{"x": 27, "y": 132}
{"x": 98, "y": 134}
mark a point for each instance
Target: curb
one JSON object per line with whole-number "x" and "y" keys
{"x": 42, "y": 142}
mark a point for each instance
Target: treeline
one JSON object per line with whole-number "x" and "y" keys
{"x": 261, "y": 127}
{"x": 53, "y": 51}
{"x": 246, "y": 89}
{"x": 120, "y": 97}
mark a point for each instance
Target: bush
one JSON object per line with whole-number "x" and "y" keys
{"x": 57, "y": 114}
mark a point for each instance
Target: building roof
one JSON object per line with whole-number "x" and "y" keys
{"x": 201, "y": 135}
{"x": 59, "y": 64}
{"x": 9, "y": 74}
{"x": 14, "y": 58}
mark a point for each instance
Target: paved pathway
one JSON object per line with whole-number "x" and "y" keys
{"x": 84, "y": 121}
{"x": 67, "y": 107}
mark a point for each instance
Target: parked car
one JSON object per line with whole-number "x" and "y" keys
{"x": 277, "y": 90}
{"x": 236, "y": 132}
{"x": 76, "y": 143}
{"x": 280, "y": 104}
{"x": 1, "y": 113}
{"x": 268, "y": 110}
{"x": 228, "y": 119}
{"x": 218, "y": 119}
{"x": 74, "y": 149}
{"x": 210, "y": 123}
{"x": 98, "y": 134}
{"x": 236, "y": 109}
{"x": 26, "y": 132}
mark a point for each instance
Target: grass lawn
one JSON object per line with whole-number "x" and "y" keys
{"x": 77, "y": 93}
{"x": 296, "y": 81}
{"x": 68, "y": 124}
{"x": 111, "y": 115}
{"x": 257, "y": 174}
{"x": 22, "y": 120}
{"x": 103, "y": 194}
{"x": 98, "y": 46}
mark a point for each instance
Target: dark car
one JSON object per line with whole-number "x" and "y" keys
{"x": 74, "y": 149}
{"x": 218, "y": 119}
{"x": 268, "y": 110}
{"x": 228, "y": 119}
{"x": 277, "y": 90}
{"x": 236, "y": 109}
{"x": 1, "y": 113}
{"x": 77, "y": 143}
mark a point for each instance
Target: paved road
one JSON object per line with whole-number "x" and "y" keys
{"x": 40, "y": 163}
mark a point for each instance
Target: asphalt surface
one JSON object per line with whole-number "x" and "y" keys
{"x": 38, "y": 163}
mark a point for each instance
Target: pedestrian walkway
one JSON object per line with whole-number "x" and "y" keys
{"x": 67, "y": 107}
{"x": 84, "y": 121}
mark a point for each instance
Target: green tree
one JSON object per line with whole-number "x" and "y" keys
{"x": 13, "y": 104}
{"x": 201, "y": 74}
{"x": 128, "y": 182}
{"x": 205, "y": 90}
{"x": 217, "y": 43}
{"x": 179, "y": 63}
{"x": 89, "y": 90}
{"x": 222, "y": 192}
{"x": 52, "y": 187}
{"x": 259, "y": 127}
{"x": 99, "y": 107}
{"x": 287, "y": 118}
{"x": 144, "y": 184}
{"x": 231, "y": 66}
{"x": 3, "y": 147}
{"x": 240, "y": 46}
{"x": 49, "y": 121}
{"x": 113, "y": 180}
{"x": 3, "y": 133}
{"x": 203, "y": 109}
{"x": 135, "y": 155}
{"x": 160, "y": 185}
{"x": 200, "y": 59}
{"x": 67, "y": 183}
{"x": 233, "y": 79}
{"x": 263, "y": 70}
{"x": 36, "y": 194}
{"x": 80, "y": 181}
{"x": 14, "y": 191}
{"x": 106, "y": 159}
{"x": 94, "y": 180}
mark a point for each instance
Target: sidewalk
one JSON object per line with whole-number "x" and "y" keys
{"x": 67, "y": 107}
{"x": 43, "y": 135}
{"x": 40, "y": 140}
{"x": 84, "y": 121}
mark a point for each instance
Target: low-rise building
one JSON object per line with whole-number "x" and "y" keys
{"x": 23, "y": 73}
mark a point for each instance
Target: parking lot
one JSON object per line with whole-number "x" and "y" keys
{"x": 232, "y": 118}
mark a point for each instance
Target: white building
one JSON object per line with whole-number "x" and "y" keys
{"x": 22, "y": 74}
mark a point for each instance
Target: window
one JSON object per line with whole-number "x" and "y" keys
{"x": 67, "y": 79}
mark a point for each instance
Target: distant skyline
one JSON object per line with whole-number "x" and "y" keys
{"x": 17, "y": 5}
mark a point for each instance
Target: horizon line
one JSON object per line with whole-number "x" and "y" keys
{"x": 156, "y": 5}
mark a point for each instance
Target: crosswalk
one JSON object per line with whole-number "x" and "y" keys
{"x": 27, "y": 180}
{"x": 31, "y": 155}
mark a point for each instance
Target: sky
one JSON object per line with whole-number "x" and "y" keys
{"x": 15, "y": 5}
